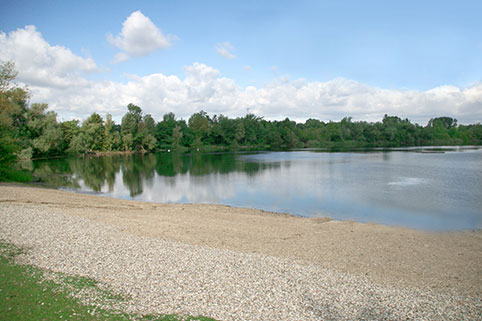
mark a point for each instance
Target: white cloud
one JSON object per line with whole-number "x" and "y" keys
{"x": 225, "y": 49}
{"x": 203, "y": 87}
{"x": 138, "y": 37}
{"x": 40, "y": 64}
{"x": 56, "y": 76}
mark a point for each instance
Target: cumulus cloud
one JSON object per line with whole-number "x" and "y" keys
{"x": 57, "y": 76}
{"x": 203, "y": 87}
{"x": 40, "y": 64}
{"x": 225, "y": 49}
{"x": 138, "y": 37}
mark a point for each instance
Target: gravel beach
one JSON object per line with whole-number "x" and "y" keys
{"x": 244, "y": 264}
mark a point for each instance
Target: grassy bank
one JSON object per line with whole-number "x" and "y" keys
{"x": 29, "y": 293}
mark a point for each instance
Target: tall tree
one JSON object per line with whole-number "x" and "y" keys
{"x": 111, "y": 136}
{"x": 176, "y": 137}
{"x": 199, "y": 123}
{"x": 13, "y": 100}
{"x": 93, "y": 128}
{"x": 129, "y": 126}
{"x": 164, "y": 130}
{"x": 146, "y": 132}
{"x": 70, "y": 129}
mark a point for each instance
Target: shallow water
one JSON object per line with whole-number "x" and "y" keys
{"x": 438, "y": 190}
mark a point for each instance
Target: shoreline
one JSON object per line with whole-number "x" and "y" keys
{"x": 391, "y": 250}
{"x": 63, "y": 229}
{"x": 41, "y": 185}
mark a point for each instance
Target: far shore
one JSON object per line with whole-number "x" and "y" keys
{"x": 388, "y": 255}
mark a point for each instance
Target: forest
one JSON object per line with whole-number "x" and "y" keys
{"x": 30, "y": 131}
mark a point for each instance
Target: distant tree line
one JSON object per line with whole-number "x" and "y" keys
{"x": 32, "y": 131}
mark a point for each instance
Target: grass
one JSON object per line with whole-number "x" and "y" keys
{"x": 30, "y": 293}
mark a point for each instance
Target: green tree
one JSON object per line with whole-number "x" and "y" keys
{"x": 111, "y": 135}
{"x": 94, "y": 131}
{"x": 146, "y": 133}
{"x": 176, "y": 138}
{"x": 164, "y": 130}
{"x": 45, "y": 133}
{"x": 446, "y": 122}
{"x": 78, "y": 144}
{"x": 199, "y": 124}
{"x": 13, "y": 102}
{"x": 227, "y": 129}
{"x": 239, "y": 136}
{"x": 251, "y": 128}
{"x": 8, "y": 108}
{"x": 129, "y": 126}
{"x": 70, "y": 129}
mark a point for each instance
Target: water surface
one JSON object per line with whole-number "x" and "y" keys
{"x": 436, "y": 190}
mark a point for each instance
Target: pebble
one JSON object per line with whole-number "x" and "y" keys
{"x": 163, "y": 276}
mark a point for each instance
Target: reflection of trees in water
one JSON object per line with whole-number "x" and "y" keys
{"x": 96, "y": 171}
{"x": 139, "y": 169}
{"x": 205, "y": 164}
{"x": 135, "y": 170}
{"x": 130, "y": 176}
{"x": 171, "y": 164}
{"x": 54, "y": 172}
{"x": 112, "y": 166}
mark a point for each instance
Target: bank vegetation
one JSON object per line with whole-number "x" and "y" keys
{"x": 33, "y": 131}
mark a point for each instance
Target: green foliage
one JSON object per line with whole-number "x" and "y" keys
{"x": 111, "y": 136}
{"x": 70, "y": 129}
{"x": 94, "y": 132}
{"x": 137, "y": 131}
{"x": 164, "y": 131}
{"x": 33, "y": 131}
{"x": 13, "y": 100}
{"x": 199, "y": 124}
{"x": 176, "y": 137}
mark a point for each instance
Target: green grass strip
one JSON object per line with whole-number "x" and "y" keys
{"x": 26, "y": 294}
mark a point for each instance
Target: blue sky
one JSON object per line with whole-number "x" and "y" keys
{"x": 297, "y": 59}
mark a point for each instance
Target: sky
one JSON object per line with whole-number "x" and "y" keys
{"x": 275, "y": 59}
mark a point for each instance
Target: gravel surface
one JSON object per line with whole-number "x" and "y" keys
{"x": 165, "y": 276}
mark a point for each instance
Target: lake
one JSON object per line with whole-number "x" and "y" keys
{"x": 429, "y": 189}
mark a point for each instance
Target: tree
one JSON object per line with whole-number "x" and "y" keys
{"x": 93, "y": 128}
{"x": 127, "y": 141}
{"x": 13, "y": 101}
{"x": 45, "y": 133}
{"x": 78, "y": 144}
{"x": 129, "y": 126}
{"x": 446, "y": 122}
{"x": 227, "y": 129}
{"x": 199, "y": 123}
{"x": 240, "y": 133}
{"x": 111, "y": 136}
{"x": 136, "y": 111}
{"x": 176, "y": 137}
{"x": 70, "y": 129}
{"x": 164, "y": 130}
{"x": 251, "y": 128}
{"x": 146, "y": 132}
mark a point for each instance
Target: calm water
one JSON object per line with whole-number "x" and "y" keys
{"x": 431, "y": 191}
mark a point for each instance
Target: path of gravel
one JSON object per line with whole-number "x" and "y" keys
{"x": 173, "y": 277}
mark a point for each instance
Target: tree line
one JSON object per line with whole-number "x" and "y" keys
{"x": 32, "y": 131}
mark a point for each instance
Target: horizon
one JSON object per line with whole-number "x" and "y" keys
{"x": 277, "y": 60}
